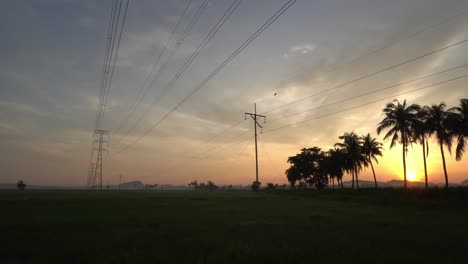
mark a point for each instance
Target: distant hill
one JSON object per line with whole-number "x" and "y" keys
{"x": 464, "y": 183}
{"x": 411, "y": 184}
{"x": 396, "y": 184}
{"x": 363, "y": 184}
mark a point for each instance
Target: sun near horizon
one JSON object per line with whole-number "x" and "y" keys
{"x": 304, "y": 74}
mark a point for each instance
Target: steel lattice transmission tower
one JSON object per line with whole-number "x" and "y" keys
{"x": 101, "y": 142}
{"x": 256, "y": 117}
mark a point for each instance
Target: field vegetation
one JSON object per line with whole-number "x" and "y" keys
{"x": 277, "y": 226}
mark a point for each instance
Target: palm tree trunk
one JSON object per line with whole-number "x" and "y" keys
{"x": 372, "y": 166}
{"x": 357, "y": 179}
{"x": 352, "y": 174}
{"x": 333, "y": 183}
{"x": 424, "y": 158}
{"x": 443, "y": 162}
{"x": 404, "y": 165}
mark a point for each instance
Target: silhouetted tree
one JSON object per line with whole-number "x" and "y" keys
{"x": 335, "y": 165}
{"x": 458, "y": 117}
{"x": 437, "y": 121}
{"x": 352, "y": 145}
{"x": 193, "y": 185}
{"x": 305, "y": 168}
{"x": 21, "y": 185}
{"x": 421, "y": 132}
{"x": 293, "y": 175}
{"x": 301, "y": 167}
{"x": 399, "y": 120}
{"x": 271, "y": 187}
{"x": 210, "y": 186}
{"x": 255, "y": 186}
{"x": 151, "y": 186}
{"x": 371, "y": 148}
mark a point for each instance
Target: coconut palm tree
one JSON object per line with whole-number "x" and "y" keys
{"x": 421, "y": 132}
{"x": 325, "y": 168}
{"x": 352, "y": 145}
{"x": 437, "y": 121}
{"x": 336, "y": 165}
{"x": 371, "y": 149}
{"x": 399, "y": 119}
{"x": 459, "y": 126}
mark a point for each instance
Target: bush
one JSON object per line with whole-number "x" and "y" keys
{"x": 255, "y": 186}
{"x": 271, "y": 186}
{"x": 21, "y": 185}
{"x": 209, "y": 186}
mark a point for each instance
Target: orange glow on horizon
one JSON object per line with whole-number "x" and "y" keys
{"x": 411, "y": 176}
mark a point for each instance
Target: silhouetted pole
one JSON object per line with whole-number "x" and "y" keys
{"x": 255, "y": 117}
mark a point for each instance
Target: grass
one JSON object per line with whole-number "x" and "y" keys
{"x": 383, "y": 226}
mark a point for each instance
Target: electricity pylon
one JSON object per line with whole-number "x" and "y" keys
{"x": 97, "y": 179}
{"x": 256, "y": 117}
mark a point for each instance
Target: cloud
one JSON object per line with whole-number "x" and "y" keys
{"x": 302, "y": 49}
{"x": 8, "y": 129}
{"x": 299, "y": 49}
{"x": 21, "y": 108}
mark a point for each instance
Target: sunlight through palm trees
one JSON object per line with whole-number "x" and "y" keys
{"x": 399, "y": 119}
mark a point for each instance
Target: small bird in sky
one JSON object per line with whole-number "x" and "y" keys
{"x": 274, "y": 94}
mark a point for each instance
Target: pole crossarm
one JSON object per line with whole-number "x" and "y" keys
{"x": 255, "y": 117}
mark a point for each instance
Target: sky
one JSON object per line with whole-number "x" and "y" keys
{"x": 52, "y": 53}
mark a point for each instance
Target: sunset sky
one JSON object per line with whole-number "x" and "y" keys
{"x": 52, "y": 53}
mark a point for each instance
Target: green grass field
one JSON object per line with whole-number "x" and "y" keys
{"x": 233, "y": 227}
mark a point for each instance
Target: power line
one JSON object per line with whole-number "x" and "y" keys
{"x": 104, "y": 67}
{"x": 356, "y": 59}
{"x": 210, "y": 35}
{"x": 341, "y": 101}
{"x": 218, "y": 69}
{"x": 108, "y": 64}
{"x": 110, "y": 58}
{"x": 368, "y": 75}
{"x": 371, "y": 92}
{"x": 145, "y": 87}
{"x": 180, "y": 41}
{"x": 388, "y": 45}
{"x": 361, "y": 105}
{"x": 115, "y": 57}
{"x": 329, "y": 114}
{"x": 233, "y": 141}
{"x": 189, "y": 61}
{"x": 105, "y": 64}
{"x": 355, "y": 80}
{"x": 224, "y": 130}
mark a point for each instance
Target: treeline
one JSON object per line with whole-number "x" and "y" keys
{"x": 209, "y": 186}
{"x": 404, "y": 124}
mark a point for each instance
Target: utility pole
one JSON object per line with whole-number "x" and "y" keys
{"x": 100, "y": 148}
{"x": 256, "y": 117}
